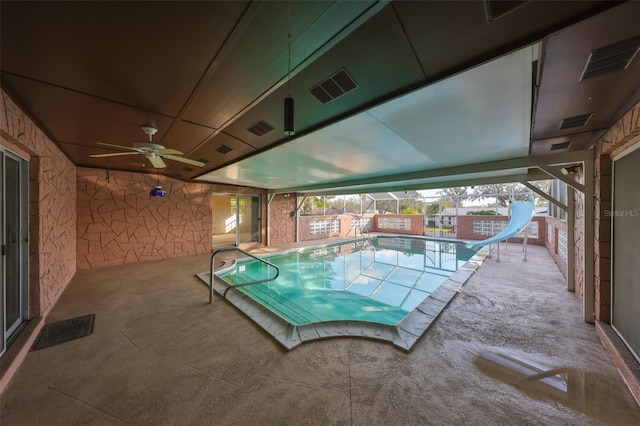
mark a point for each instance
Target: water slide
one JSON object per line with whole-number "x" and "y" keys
{"x": 521, "y": 215}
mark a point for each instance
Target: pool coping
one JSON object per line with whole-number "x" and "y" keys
{"x": 404, "y": 335}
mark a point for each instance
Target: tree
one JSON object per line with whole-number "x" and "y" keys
{"x": 433, "y": 209}
{"x": 408, "y": 210}
{"x": 504, "y": 192}
{"x": 313, "y": 205}
{"x": 454, "y": 193}
{"x": 385, "y": 206}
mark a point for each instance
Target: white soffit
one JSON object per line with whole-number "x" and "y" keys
{"x": 477, "y": 116}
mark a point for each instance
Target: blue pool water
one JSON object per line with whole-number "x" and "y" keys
{"x": 380, "y": 281}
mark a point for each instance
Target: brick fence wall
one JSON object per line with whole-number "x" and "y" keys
{"x": 468, "y": 226}
{"x": 411, "y": 224}
{"x": 556, "y": 241}
{"x": 318, "y": 227}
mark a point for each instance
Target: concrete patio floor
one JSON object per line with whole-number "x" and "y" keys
{"x": 161, "y": 355}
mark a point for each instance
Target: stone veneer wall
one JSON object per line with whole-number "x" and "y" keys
{"x": 623, "y": 135}
{"x": 118, "y": 222}
{"x": 282, "y": 225}
{"x": 52, "y": 212}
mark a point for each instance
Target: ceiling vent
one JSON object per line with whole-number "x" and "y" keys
{"x": 577, "y": 121}
{"x": 333, "y": 87}
{"x": 494, "y": 9}
{"x": 203, "y": 160}
{"x": 224, "y": 150}
{"x": 260, "y": 127}
{"x": 561, "y": 145}
{"x": 614, "y": 57}
{"x": 187, "y": 169}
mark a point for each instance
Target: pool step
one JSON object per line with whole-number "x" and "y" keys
{"x": 278, "y": 304}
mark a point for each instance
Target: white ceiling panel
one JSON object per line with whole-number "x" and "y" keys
{"x": 479, "y": 115}
{"x": 366, "y": 148}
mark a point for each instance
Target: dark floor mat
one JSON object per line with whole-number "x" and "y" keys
{"x": 64, "y": 331}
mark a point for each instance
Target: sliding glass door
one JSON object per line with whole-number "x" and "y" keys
{"x": 236, "y": 219}
{"x": 14, "y": 229}
{"x": 625, "y": 215}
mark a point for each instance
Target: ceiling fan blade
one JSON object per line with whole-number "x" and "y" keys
{"x": 184, "y": 160}
{"x": 169, "y": 151}
{"x": 118, "y": 146}
{"x": 114, "y": 154}
{"x": 156, "y": 162}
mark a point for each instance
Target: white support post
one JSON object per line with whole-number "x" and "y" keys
{"x": 571, "y": 246}
{"x": 270, "y": 198}
{"x": 526, "y": 236}
{"x": 297, "y": 213}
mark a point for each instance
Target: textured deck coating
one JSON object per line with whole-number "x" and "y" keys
{"x": 160, "y": 354}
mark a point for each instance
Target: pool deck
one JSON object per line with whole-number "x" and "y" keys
{"x": 510, "y": 348}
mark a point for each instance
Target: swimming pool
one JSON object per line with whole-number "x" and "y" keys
{"x": 384, "y": 288}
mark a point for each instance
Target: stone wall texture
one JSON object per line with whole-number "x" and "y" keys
{"x": 52, "y": 211}
{"x": 119, "y": 222}
{"x": 623, "y": 135}
{"x": 282, "y": 225}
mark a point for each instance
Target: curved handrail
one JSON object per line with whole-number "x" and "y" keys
{"x": 212, "y": 270}
{"x": 363, "y": 230}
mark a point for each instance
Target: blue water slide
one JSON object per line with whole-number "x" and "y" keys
{"x": 521, "y": 215}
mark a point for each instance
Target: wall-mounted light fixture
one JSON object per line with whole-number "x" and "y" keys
{"x": 570, "y": 170}
{"x": 158, "y": 192}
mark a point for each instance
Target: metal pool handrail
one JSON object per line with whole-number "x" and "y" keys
{"x": 212, "y": 270}
{"x": 363, "y": 230}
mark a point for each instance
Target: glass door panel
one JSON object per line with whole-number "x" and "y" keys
{"x": 224, "y": 220}
{"x": 14, "y": 224}
{"x": 235, "y": 219}
{"x": 249, "y": 218}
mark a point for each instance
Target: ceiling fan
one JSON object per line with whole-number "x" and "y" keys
{"x": 153, "y": 152}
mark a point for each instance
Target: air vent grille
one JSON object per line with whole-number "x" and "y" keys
{"x": 187, "y": 169}
{"x": 561, "y": 145}
{"x": 224, "y": 150}
{"x": 614, "y": 57}
{"x": 333, "y": 87}
{"x": 260, "y": 127}
{"x": 577, "y": 121}
{"x": 203, "y": 160}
